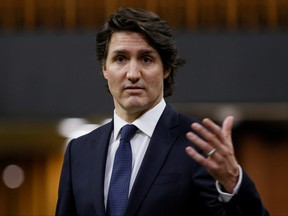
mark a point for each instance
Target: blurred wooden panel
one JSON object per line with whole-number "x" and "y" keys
{"x": 249, "y": 13}
{"x": 267, "y": 166}
{"x": 7, "y": 13}
{"x": 282, "y": 8}
{"x": 271, "y": 8}
{"x": 207, "y": 10}
{"x": 39, "y": 191}
{"x": 70, "y": 16}
{"x": 232, "y": 14}
{"x": 50, "y": 14}
{"x": 190, "y": 14}
{"x": 29, "y": 10}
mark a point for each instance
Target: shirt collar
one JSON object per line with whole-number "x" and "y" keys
{"x": 146, "y": 122}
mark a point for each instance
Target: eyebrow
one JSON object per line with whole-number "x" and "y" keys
{"x": 142, "y": 52}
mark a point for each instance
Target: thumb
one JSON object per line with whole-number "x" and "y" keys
{"x": 227, "y": 128}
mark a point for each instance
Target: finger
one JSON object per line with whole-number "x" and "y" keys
{"x": 225, "y": 133}
{"x": 202, "y": 144}
{"x": 196, "y": 156}
{"x": 210, "y": 137}
{"x": 213, "y": 128}
{"x": 227, "y": 128}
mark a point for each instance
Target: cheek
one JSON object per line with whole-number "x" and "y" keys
{"x": 156, "y": 82}
{"x": 114, "y": 81}
{"x": 111, "y": 74}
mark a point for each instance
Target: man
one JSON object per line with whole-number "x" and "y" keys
{"x": 178, "y": 166}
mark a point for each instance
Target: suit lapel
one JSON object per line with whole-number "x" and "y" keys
{"x": 160, "y": 144}
{"x": 99, "y": 150}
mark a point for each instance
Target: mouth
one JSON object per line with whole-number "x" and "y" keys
{"x": 133, "y": 89}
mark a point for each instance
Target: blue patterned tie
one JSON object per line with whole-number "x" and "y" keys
{"x": 120, "y": 179}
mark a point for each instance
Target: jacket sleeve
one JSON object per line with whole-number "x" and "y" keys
{"x": 66, "y": 203}
{"x": 247, "y": 201}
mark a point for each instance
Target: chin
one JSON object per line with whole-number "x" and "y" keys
{"x": 136, "y": 106}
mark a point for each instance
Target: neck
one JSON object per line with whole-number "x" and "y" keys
{"x": 130, "y": 117}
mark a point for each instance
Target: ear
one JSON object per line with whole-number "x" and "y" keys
{"x": 104, "y": 71}
{"x": 166, "y": 73}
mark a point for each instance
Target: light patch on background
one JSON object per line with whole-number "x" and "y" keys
{"x": 71, "y": 128}
{"x": 223, "y": 111}
{"x": 13, "y": 176}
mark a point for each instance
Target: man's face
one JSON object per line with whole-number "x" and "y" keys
{"x": 135, "y": 74}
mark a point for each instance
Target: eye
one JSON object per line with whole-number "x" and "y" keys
{"x": 147, "y": 59}
{"x": 120, "y": 58}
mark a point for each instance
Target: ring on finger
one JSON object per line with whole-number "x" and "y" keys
{"x": 210, "y": 153}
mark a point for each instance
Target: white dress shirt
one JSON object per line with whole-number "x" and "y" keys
{"x": 139, "y": 144}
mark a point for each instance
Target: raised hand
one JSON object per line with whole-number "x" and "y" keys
{"x": 216, "y": 141}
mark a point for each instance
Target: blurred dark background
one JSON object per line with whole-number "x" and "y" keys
{"x": 52, "y": 89}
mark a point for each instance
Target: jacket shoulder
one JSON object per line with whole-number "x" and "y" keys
{"x": 183, "y": 120}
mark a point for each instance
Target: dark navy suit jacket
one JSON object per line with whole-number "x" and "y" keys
{"x": 168, "y": 183}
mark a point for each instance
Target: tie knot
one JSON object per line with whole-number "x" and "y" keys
{"x": 128, "y": 131}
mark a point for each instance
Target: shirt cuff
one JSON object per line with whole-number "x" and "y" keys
{"x": 226, "y": 197}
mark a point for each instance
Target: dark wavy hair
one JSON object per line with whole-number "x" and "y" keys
{"x": 155, "y": 30}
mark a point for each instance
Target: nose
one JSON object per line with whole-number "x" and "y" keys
{"x": 133, "y": 71}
